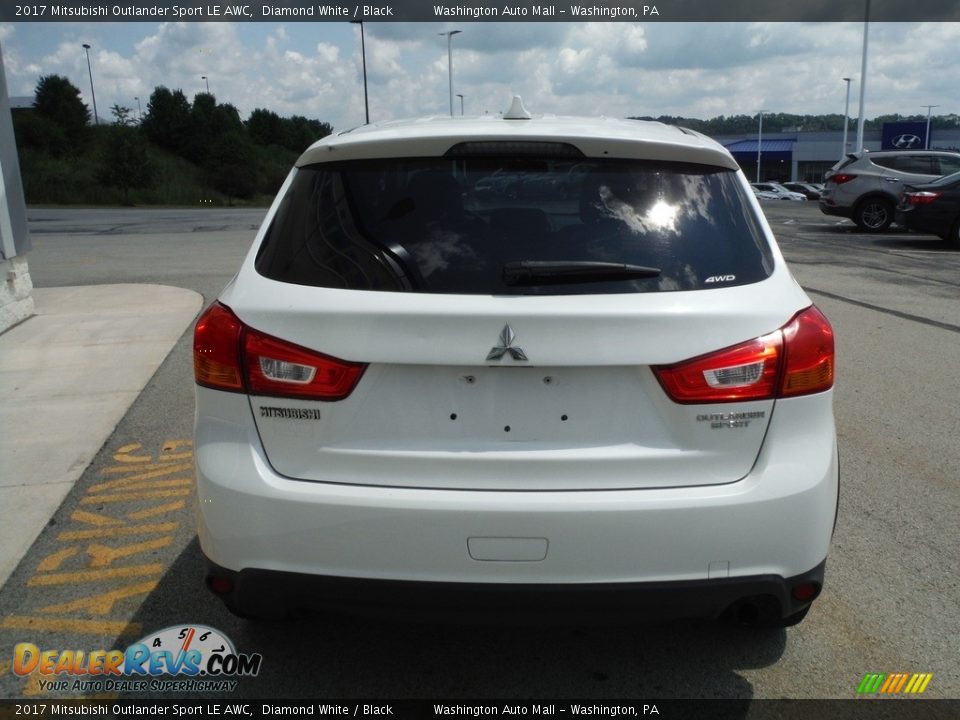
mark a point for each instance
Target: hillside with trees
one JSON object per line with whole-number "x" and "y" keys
{"x": 202, "y": 152}
{"x": 179, "y": 153}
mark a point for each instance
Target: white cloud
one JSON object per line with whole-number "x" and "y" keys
{"x": 617, "y": 69}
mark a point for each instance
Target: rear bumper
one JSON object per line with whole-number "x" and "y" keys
{"x": 265, "y": 593}
{"x": 922, "y": 224}
{"x": 727, "y": 541}
{"x": 837, "y": 210}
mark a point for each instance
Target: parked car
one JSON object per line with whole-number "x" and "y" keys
{"x": 866, "y": 187}
{"x": 780, "y": 191}
{"x": 412, "y": 397}
{"x": 806, "y": 189}
{"x": 764, "y": 194}
{"x": 933, "y": 208}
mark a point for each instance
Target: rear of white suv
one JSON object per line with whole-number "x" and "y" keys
{"x": 417, "y": 394}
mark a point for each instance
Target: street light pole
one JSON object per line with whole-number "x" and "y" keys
{"x": 846, "y": 118}
{"x": 363, "y": 55}
{"x": 139, "y": 110}
{"x": 450, "y": 34}
{"x": 207, "y": 81}
{"x": 93, "y": 95}
{"x": 759, "y": 142}
{"x": 863, "y": 78}
{"x": 926, "y": 144}
{"x": 461, "y": 104}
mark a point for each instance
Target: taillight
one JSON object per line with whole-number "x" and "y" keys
{"x": 276, "y": 367}
{"x": 798, "y": 359}
{"x": 228, "y": 355}
{"x": 921, "y": 197}
{"x": 809, "y": 354}
{"x": 216, "y": 349}
{"x": 841, "y": 178}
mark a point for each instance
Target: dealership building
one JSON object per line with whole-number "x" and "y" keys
{"x": 805, "y": 156}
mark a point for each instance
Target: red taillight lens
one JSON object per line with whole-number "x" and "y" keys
{"x": 743, "y": 372}
{"x": 227, "y": 355}
{"x": 841, "y": 178}
{"x": 216, "y": 349}
{"x": 809, "y": 354}
{"x": 276, "y": 367}
{"x": 798, "y": 359}
{"x": 922, "y": 197}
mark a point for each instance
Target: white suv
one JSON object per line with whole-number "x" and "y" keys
{"x": 417, "y": 395}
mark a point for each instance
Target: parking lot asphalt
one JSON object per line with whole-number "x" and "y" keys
{"x": 69, "y": 374}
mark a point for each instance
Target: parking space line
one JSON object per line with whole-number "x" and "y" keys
{"x": 80, "y": 627}
{"x": 127, "y": 485}
{"x": 102, "y": 555}
{"x": 113, "y": 532}
{"x": 156, "y": 470}
{"x": 103, "y": 603}
{"x": 127, "y": 497}
{"x": 90, "y": 518}
{"x": 125, "y": 454}
{"x": 55, "y": 560}
{"x": 95, "y": 575}
{"x": 158, "y": 510}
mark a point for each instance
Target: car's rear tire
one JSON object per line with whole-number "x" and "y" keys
{"x": 874, "y": 214}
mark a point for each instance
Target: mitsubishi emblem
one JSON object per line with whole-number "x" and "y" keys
{"x": 506, "y": 346}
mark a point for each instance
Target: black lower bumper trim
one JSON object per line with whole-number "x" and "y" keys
{"x": 271, "y": 593}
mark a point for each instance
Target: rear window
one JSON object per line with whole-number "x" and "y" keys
{"x": 445, "y": 225}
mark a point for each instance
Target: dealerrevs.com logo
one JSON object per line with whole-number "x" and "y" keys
{"x": 181, "y": 658}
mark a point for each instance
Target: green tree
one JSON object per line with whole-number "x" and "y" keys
{"x": 58, "y": 100}
{"x": 124, "y": 162}
{"x": 35, "y": 131}
{"x": 231, "y": 165}
{"x": 168, "y": 121}
{"x": 265, "y": 127}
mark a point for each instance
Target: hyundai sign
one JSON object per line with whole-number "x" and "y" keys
{"x": 904, "y": 136}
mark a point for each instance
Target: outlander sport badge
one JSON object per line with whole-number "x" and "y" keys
{"x": 506, "y": 346}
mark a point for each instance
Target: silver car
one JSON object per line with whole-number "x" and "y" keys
{"x": 865, "y": 187}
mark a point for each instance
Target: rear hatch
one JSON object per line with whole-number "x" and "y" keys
{"x": 483, "y": 339}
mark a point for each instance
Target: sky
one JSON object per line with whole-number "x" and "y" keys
{"x": 689, "y": 69}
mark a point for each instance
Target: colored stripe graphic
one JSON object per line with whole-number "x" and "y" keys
{"x": 871, "y": 683}
{"x": 894, "y": 683}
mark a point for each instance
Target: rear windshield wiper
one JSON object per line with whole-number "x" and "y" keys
{"x": 561, "y": 272}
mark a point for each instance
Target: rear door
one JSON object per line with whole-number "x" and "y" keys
{"x": 475, "y": 377}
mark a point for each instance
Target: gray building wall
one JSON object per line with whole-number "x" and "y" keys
{"x": 815, "y": 152}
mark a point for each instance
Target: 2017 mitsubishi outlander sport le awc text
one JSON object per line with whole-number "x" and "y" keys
{"x": 606, "y": 390}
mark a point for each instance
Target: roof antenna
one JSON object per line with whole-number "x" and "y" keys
{"x": 517, "y": 111}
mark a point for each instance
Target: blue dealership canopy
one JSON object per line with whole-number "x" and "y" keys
{"x": 750, "y": 146}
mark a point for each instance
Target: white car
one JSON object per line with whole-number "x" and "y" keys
{"x": 418, "y": 397}
{"x": 780, "y": 191}
{"x": 764, "y": 194}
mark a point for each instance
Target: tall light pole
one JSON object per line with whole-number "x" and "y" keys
{"x": 863, "y": 78}
{"x": 461, "y": 104}
{"x": 759, "y": 142}
{"x": 207, "y": 81}
{"x": 93, "y": 95}
{"x": 926, "y": 144}
{"x": 363, "y": 55}
{"x": 450, "y": 34}
{"x": 139, "y": 110}
{"x": 846, "y": 118}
